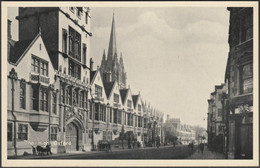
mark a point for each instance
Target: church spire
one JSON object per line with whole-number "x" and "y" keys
{"x": 112, "y": 42}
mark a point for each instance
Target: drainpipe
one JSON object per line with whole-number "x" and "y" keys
{"x": 13, "y": 76}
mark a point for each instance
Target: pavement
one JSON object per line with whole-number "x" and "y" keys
{"x": 207, "y": 154}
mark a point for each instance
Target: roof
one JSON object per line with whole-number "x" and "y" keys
{"x": 123, "y": 93}
{"x": 135, "y": 98}
{"x": 108, "y": 87}
{"x": 92, "y": 74}
{"x": 18, "y": 49}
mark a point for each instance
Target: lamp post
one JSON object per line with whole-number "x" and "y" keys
{"x": 13, "y": 77}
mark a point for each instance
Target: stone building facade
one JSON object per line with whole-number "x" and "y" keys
{"x": 239, "y": 77}
{"x": 61, "y": 100}
{"x": 237, "y": 92}
{"x": 216, "y": 127}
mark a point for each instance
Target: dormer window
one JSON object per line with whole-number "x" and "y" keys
{"x": 116, "y": 98}
{"x": 98, "y": 91}
{"x": 39, "y": 66}
{"x": 139, "y": 107}
{"x": 129, "y": 104}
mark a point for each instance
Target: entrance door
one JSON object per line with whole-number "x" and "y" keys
{"x": 72, "y": 137}
{"x": 246, "y": 141}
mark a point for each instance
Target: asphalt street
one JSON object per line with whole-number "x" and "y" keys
{"x": 169, "y": 152}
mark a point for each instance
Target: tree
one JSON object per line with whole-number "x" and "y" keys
{"x": 170, "y": 132}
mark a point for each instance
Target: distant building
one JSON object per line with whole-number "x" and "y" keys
{"x": 216, "y": 119}
{"x": 185, "y": 133}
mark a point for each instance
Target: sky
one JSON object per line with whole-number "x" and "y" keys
{"x": 173, "y": 55}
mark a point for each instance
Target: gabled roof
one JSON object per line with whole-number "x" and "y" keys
{"x": 92, "y": 74}
{"x": 20, "y": 48}
{"x": 135, "y": 98}
{"x": 108, "y": 88}
{"x": 123, "y": 93}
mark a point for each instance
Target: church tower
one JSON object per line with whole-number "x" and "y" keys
{"x": 111, "y": 63}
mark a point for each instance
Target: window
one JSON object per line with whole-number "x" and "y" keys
{"x": 35, "y": 65}
{"x": 219, "y": 112}
{"x": 110, "y": 115}
{"x": 98, "y": 91}
{"x": 22, "y": 132}
{"x": 44, "y": 99}
{"x": 139, "y": 107}
{"x": 74, "y": 69}
{"x": 139, "y": 121}
{"x": 74, "y": 44}
{"x": 54, "y": 131}
{"x": 22, "y": 94}
{"x": 9, "y": 131}
{"x": 129, "y": 103}
{"x": 247, "y": 26}
{"x": 115, "y": 116}
{"x": 91, "y": 110}
{"x": 246, "y": 78}
{"x": 128, "y": 119}
{"x": 35, "y": 97}
{"x": 86, "y": 18}
{"x": 39, "y": 66}
{"x": 116, "y": 98}
{"x": 96, "y": 111}
{"x": 54, "y": 103}
{"x": 64, "y": 40}
{"x": 84, "y": 54}
{"x": 119, "y": 118}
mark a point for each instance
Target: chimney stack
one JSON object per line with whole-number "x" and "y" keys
{"x": 91, "y": 64}
{"x": 9, "y": 29}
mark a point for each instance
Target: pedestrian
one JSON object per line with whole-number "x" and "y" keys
{"x": 192, "y": 146}
{"x": 173, "y": 143}
{"x": 201, "y": 147}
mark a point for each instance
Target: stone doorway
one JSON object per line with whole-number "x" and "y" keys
{"x": 73, "y": 137}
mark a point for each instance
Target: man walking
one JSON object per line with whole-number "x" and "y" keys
{"x": 201, "y": 147}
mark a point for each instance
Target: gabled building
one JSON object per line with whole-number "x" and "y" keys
{"x": 98, "y": 118}
{"x": 127, "y": 102}
{"x": 65, "y": 34}
{"x": 137, "y": 102}
{"x": 32, "y": 111}
{"x": 116, "y": 107}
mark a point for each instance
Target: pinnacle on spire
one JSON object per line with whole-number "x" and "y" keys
{"x": 104, "y": 55}
{"x": 112, "y": 42}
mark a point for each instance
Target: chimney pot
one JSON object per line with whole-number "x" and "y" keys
{"x": 9, "y": 29}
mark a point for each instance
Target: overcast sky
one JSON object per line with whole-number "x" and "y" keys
{"x": 173, "y": 56}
